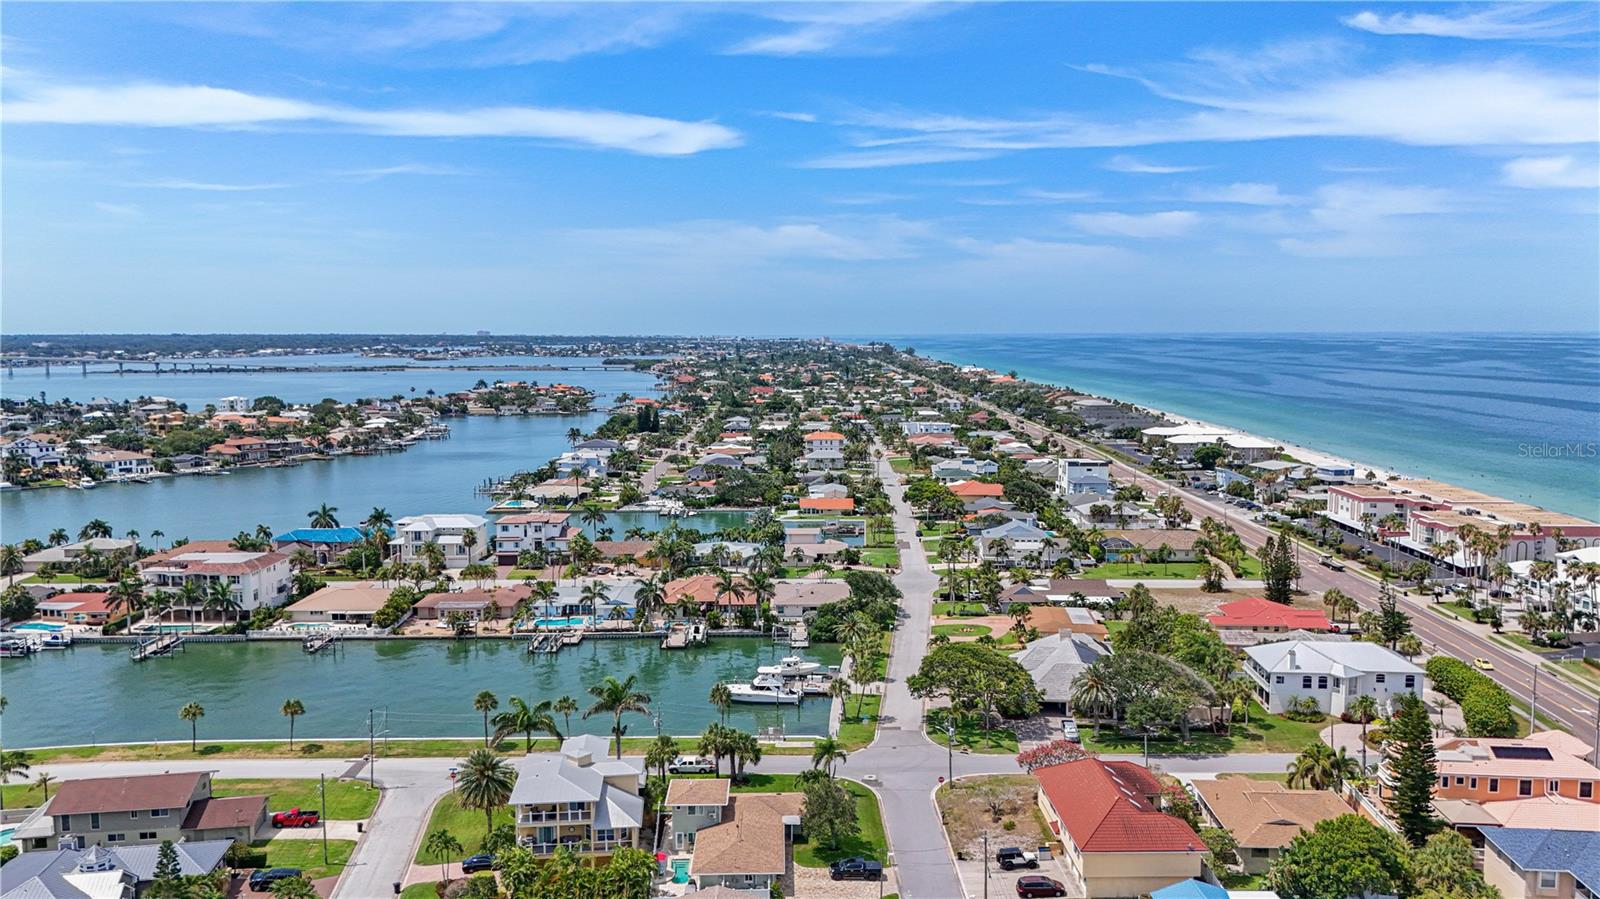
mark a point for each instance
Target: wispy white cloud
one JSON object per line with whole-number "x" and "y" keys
{"x": 1244, "y": 193}
{"x": 119, "y": 210}
{"x": 210, "y": 186}
{"x": 807, "y": 117}
{"x": 195, "y": 106}
{"x": 404, "y": 168}
{"x": 839, "y": 239}
{"x": 1133, "y": 165}
{"x": 1551, "y": 171}
{"x": 1359, "y": 219}
{"x": 868, "y": 199}
{"x": 832, "y": 27}
{"x": 1173, "y": 223}
{"x": 1498, "y": 22}
{"x": 875, "y": 159}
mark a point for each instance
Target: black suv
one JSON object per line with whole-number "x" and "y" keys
{"x": 856, "y": 868}
{"x": 261, "y": 880}
{"x": 474, "y": 864}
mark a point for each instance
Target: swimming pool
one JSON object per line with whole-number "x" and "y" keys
{"x": 38, "y": 626}
{"x": 680, "y": 870}
{"x": 5, "y": 835}
{"x": 571, "y": 621}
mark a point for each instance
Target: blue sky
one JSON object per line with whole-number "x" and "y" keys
{"x": 765, "y": 169}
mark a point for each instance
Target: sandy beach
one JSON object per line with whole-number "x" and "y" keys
{"x": 1303, "y": 453}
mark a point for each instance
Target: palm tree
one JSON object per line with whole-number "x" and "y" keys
{"x": 43, "y": 782}
{"x": 292, "y": 709}
{"x": 155, "y": 535}
{"x": 1319, "y": 767}
{"x": 524, "y": 719}
{"x": 1365, "y": 708}
{"x": 743, "y": 749}
{"x": 484, "y": 781}
{"x": 192, "y": 713}
{"x": 592, "y": 515}
{"x": 661, "y": 753}
{"x": 593, "y": 594}
{"x": 323, "y": 516}
{"x": 10, "y": 562}
{"x": 125, "y": 597}
{"x": 221, "y": 599}
{"x": 485, "y": 702}
{"x": 95, "y": 528}
{"x": 442, "y": 844}
{"x": 59, "y": 536}
{"x": 617, "y": 697}
{"x": 13, "y": 763}
{"x": 826, "y": 752}
{"x": 722, "y": 698}
{"x": 727, "y": 585}
{"x": 646, "y": 600}
{"x": 566, "y": 705}
{"x": 544, "y": 594}
{"x": 1092, "y": 691}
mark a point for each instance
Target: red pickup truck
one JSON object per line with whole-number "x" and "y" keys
{"x": 295, "y": 818}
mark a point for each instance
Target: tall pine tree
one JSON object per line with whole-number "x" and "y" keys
{"x": 1278, "y": 569}
{"x": 1411, "y": 762}
{"x": 167, "y": 882}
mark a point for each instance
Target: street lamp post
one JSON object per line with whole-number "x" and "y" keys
{"x": 950, "y": 749}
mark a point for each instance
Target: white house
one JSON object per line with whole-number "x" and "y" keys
{"x": 1022, "y": 540}
{"x": 233, "y": 404}
{"x": 449, "y": 531}
{"x": 36, "y": 451}
{"x": 950, "y": 471}
{"x": 824, "y": 440}
{"x": 1332, "y": 673}
{"x": 255, "y": 579}
{"x": 578, "y": 798}
{"x": 1079, "y": 476}
{"x": 122, "y": 463}
{"x": 537, "y": 531}
{"x": 918, "y": 426}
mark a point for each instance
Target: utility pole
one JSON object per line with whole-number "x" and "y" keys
{"x": 986, "y": 865}
{"x": 372, "y": 753}
{"x": 1533, "y": 704}
{"x": 950, "y": 749}
{"x": 322, "y": 813}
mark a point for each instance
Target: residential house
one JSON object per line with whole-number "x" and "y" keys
{"x": 1331, "y": 673}
{"x": 254, "y": 579}
{"x": 1084, "y": 476}
{"x": 1542, "y": 864}
{"x": 1264, "y": 815}
{"x": 827, "y": 505}
{"x": 951, "y": 471}
{"x": 827, "y": 490}
{"x": 704, "y": 591}
{"x": 824, "y": 440}
{"x": 67, "y": 554}
{"x": 476, "y": 604}
{"x": 1257, "y": 614}
{"x": 448, "y": 531}
{"x": 122, "y": 463}
{"x": 240, "y": 449}
{"x": 1061, "y": 591}
{"x": 71, "y": 871}
{"x": 38, "y": 450}
{"x": 531, "y": 531}
{"x": 794, "y": 600}
{"x": 1091, "y": 510}
{"x": 1123, "y": 545}
{"x": 739, "y": 840}
{"x": 140, "y": 810}
{"x": 324, "y": 544}
{"x": 340, "y": 603}
{"x": 812, "y": 553}
{"x": 1114, "y": 837}
{"x": 918, "y": 427}
{"x": 1490, "y": 770}
{"x": 1017, "y": 541}
{"x": 75, "y": 608}
{"x": 1055, "y": 661}
{"x": 578, "y": 798}
{"x": 823, "y": 460}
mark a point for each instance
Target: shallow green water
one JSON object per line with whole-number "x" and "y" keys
{"x": 96, "y": 694}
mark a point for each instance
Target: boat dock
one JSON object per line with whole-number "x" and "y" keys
{"x": 554, "y": 641}
{"x": 160, "y": 646}
{"x": 683, "y": 635}
{"x": 798, "y": 637}
{"x": 318, "y": 642}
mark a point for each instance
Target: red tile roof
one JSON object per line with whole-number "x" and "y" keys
{"x": 824, "y": 435}
{"x": 827, "y": 504}
{"x": 702, "y": 588}
{"x": 1255, "y": 612}
{"x": 975, "y": 489}
{"x": 1104, "y": 807}
{"x": 123, "y": 794}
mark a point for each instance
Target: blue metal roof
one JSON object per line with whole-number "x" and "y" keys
{"x": 1575, "y": 851}
{"x": 1190, "y": 889}
{"x": 322, "y": 535}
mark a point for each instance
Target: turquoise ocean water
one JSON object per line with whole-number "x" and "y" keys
{"x": 1515, "y": 415}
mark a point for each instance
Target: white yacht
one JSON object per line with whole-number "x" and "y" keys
{"x": 765, "y": 688}
{"x": 791, "y": 666}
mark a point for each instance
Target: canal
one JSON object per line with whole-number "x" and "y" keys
{"x": 421, "y": 688}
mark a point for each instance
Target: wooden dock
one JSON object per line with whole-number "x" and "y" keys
{"x": 545, "y": 642}
{"x": 160, "y": 646}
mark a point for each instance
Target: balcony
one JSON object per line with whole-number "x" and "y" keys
{"x": 578, "y": 845}
{"x": 545, "y": 817}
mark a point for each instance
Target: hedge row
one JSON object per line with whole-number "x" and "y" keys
{"x": 1485, "y": 705}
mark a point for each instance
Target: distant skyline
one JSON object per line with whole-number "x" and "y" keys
{"x": 807, "y": 169}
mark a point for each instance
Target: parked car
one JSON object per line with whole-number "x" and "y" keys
{"x": 1038, "y": 885}
{"x": 856, "y": 868}
{"x": 474, "y": 864}
{"x": 691, "y": 764}
{"x": 262, "y": 879}
{"x": 1012, "y": 857}
{"x": 296, "y": 818}
{"x": 1069, "y": 729}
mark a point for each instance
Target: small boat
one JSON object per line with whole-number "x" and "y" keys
{"x": 87, "y": 484}
{"x": 50, "y": 639}
{"x": 765, "y": 689}
{"x": 791, "y": 666}
{"x": 14, "y": 649}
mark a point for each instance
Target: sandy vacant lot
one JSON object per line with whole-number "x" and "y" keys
{"x": 968, "y": 807}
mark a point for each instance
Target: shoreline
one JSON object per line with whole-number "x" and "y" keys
{"x": 1299, "y": 451}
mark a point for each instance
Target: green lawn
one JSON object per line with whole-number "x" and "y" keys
{"x": 901, "y": 465}
{"x": 871, "y": 843}
{"x": 970, "y": 736}
{"x": 881, "y": 557}
{"x": 947, "y": 609}
{"x": 1128, "y": 571}
{"x": 1263, "y": 733}
{"x": 1242, "y": 881}
{"x": 348, "y": 800}
{"x": 420, "y": 891}
{"x": 465, "y": 823}
{"x": 1249, "y": 568}
{"x": 1580, "y": 672}
{"x": 307, "y": 855}
{"x": 961, "y": 630}
{"x": 62, "y": 579}
{"x": 856, "y": 732}
{"x": 26, "y": 795}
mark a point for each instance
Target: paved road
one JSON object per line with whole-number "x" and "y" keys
{"x": 1572, "y": 708}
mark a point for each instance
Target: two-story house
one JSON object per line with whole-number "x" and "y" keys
{"x": 578, "y": 798}
{"x": 122, "y": 463}
{"x": 824, "y": 440}
{"x": 533, "y": 531}
{"x": 140, "y": 810}
{"x": 1529, "y": 863}
{"x": 449, "y": 532}
{"x": 1331, "y": 673}
{"x": 254, "y": 579}
{"x": 1079, "y": 476}
{"x": 738, "y": 841}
